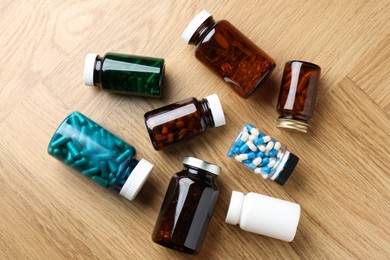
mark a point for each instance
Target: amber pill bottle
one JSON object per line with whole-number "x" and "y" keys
{"x": 230, "y": 54}
{"x": 297, "y": 96}
{"x": 188, "y": 206}
{"x": 183, "y": 120}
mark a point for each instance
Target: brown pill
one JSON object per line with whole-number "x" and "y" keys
{"x": 182, "y": 133}
{"x": 179, "y": 124}
{"x": 191, "y": 124}
{"x": 221, "y": 40}
{"x": 304, "y": 92}
{"x": 302, "y": 84}
{"x": 301, "y": 101}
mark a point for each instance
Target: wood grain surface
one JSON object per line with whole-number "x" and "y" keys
{"x": 342, "y": 182}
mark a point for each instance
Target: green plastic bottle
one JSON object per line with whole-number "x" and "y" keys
{"x": 125, "y": 74}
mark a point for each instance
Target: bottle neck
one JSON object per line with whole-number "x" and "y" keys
{"x": 125, "y": 172}
{"x": 202, "y": 31}
{"x": 205, "y": 112}
{"x": 200, "y": 173}
{"x": 97, "y": 71}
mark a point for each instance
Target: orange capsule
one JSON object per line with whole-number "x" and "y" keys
{"x": 182, "y": 132}
{"x": 179, "y": 124}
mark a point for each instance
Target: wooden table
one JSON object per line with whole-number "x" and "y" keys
{"x": 342, "y": 182}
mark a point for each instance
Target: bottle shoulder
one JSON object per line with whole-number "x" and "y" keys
{"x": 197, "y": 179}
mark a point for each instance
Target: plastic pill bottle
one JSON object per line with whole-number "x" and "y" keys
{"x": 264, "y": 215}
{"x": 183, "y": 120}
{"x": 125, "y": 74}
{"x": 188, "y": 206}
{"x": 263, "y": 154}
{"x": 229, "y": 53}
{"x": 99, "y": 155}
{"x": 297, "y": 96}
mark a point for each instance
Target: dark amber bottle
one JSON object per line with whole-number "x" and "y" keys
{"x": 183, "y": 120}
{"x": 188, "y": 206}
{"x": 229, "y": 53}
{"x": 297, "y": 96}
{"x": 125, "y": 74}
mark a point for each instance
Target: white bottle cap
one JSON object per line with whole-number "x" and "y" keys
{"x": 264, "y": 215}
{"x": 194, "y": 25}
{"x": 89, "y": 67}
{"x": 136, "y": 179}
{"x": 233, "y": 215}
{"x": 216, "y": 110}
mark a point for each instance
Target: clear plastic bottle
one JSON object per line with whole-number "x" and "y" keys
{"x": 188, "y": 206}
{"x": 183, "y": 120}
{"x": 227, "y": 52}
{"x": 263, "y": 154}
{"x": 264, "y": 215}
{"x": 297, "y": 96}
{"x": 99, "y": 155}
{"x": 125, "y": 74}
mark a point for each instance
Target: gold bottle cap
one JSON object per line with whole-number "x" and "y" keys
{"x": 293, "y": 125}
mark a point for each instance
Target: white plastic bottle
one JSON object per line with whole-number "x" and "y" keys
{"x": 264, "y": 215}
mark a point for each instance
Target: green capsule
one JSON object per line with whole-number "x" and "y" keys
{"x": 74, "y": 121}
{"x": 83, "y": 135}
{"x": 87, "y": 153}
{"x": 111, "y": 175}
{"x": 50, "y": 150}
{"x": 91, "y": 171}
{"x": 112, "y": 166}
{"x": 118, "y": 142}
{"x": 73, "y": 150}
{"x": 147, "y": 88}
{"x": 80, "y": 162}
{"x": 99, "y": 180}
{"x": 69, "y": 159}
{"x": 96, "y": 136}
{"x": 155, "y": 92}
{"x": 81, "y": 118}
{"x": 103, "y": 169}
{"x": 150, "y": 79}
{"x": 112, "y": 181}
{"x": 123, "y": 156}
{"x": 105, "y": 156}
{"x": 57, "y": 152}
{"x": 91, "y": 126}
{"x": 89, "y": 144}
{"x": 110, "y": 141}
{"x": 59, "y": 142}
{"x": 84, "y": 129}
{"x": 140, "y": 84}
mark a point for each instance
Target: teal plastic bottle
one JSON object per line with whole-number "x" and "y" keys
{"x": 99, "y": 155}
